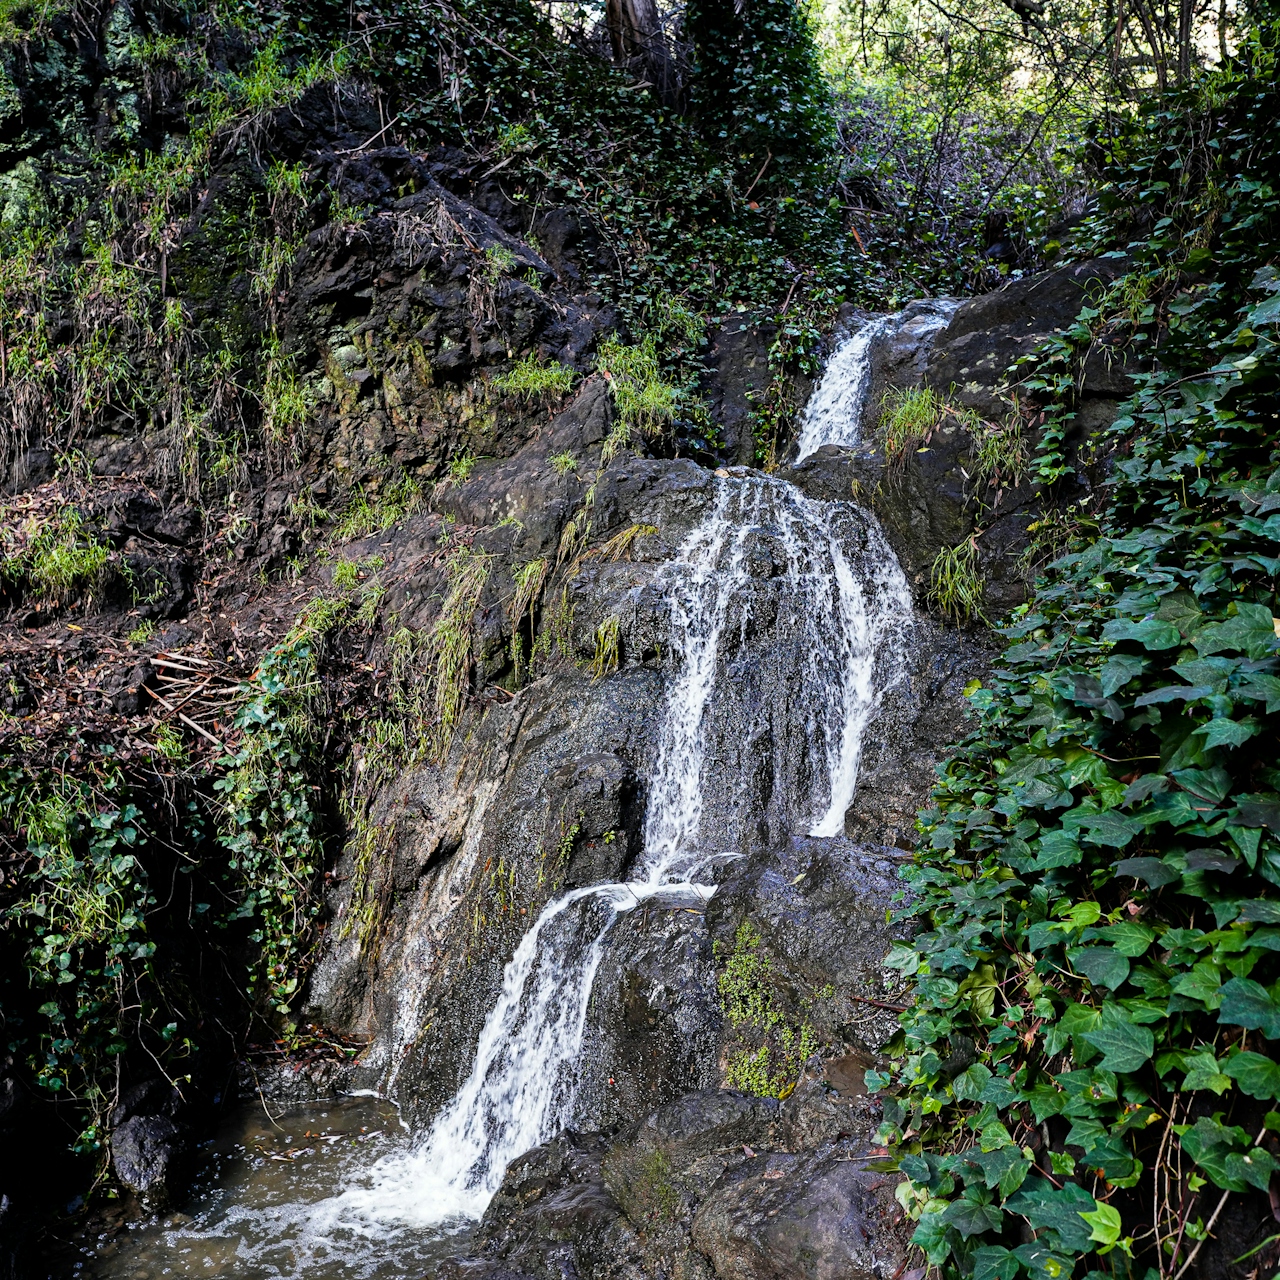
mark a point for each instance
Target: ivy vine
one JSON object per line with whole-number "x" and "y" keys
{"x": 1089, "y": 1072}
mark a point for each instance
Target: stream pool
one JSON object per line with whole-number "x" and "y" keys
{"x": 265, "y": 1206}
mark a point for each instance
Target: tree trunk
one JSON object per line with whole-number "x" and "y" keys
{"x": 635, "y": 32}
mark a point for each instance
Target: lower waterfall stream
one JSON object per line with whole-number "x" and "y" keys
{"x": 846, "y": 612}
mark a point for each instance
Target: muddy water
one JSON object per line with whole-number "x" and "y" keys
{"x": 261, "y": 1207}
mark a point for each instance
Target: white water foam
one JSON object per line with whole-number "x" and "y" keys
{"x": 836, "y": 407}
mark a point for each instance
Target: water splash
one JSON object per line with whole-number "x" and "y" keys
{"x": 835, "y": 410}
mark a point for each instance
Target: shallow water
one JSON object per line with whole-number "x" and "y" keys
{"x": 262, "y": 1208}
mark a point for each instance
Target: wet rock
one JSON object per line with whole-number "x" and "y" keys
{"x": 785, "y": 1217}
{"x": 148, "y": 1154}
{"x": 671, "y": 1160}
{"x": 819, "y": 907}
{"x": 155, "y": 1097}
{"x": 988, "y": 334}
{"x": 126, "y": 687}
{"x": 655, "y": 1019}
{"x": 699, "y": 1187}
{"x": 554, "y": 1216}
{"x": 739, "y": 362}
{"x": 965, "y": 352}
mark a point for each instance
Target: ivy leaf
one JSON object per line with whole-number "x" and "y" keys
{"x": 1255, "y": 1073}
{"x": 1105, "y": 1224}
{"x": 1057, "y": 849}
{"x": 1058, "y": 1211}
{"x": 971, "y": 1218}
{"x": 932, "y": 1233}
{"x": 1151, "y": 634}
{"x": 1211, "y": 860}
{"x": 1129, "y": 938}
{"x": 1224, "y": 732}
{"x": 1204, "y": 1072}
{"x": 1000, "y": 1093}
{"x": 1205, "y": 784}
{"x": 1254, "y": 1167}
{"x": 1154, "y": 871}
{"x": 1210, "y": 1144}
{"x": 1103, "y": 966}
{"x": 1043, "y": 1263}
{"x": 1259, "y": 811}
{"x": 1145, "y": 786}
{"x": 1006, "y": 1168}
{"x": 1173, "y": 693}
{"x": 1246, "y": 1003}
{"x": 1252, "y": 631}
{"x": 1125, "y": 1046}
{"x": 1181, "y": 609}
{"x": 1261, "y": 911}
{"x": 1202, "y": 982}
{"x": 994, "y": 1262}
{"x": 904, "y": 958}
{"x": 1118, "y": 670}
{"x": 1143, "y": 1011}
{"x": 1110, "y": 828}
{"x": 1262, "y": 688}
{"x": 968, "y": 1085}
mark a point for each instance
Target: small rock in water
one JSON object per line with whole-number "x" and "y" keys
{"x": 145, "y": 1151}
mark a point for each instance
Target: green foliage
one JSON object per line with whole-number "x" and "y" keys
{"x": 758, "y": 93}
{"x": 169, "y": 743}
{"x": 142, "y": 632}
{"x": 750, "y": 1000}
{"x": 285, "y": 404}
{"x": 460, "y": 468}
{"x": 364, "y": 515}
{"x": 530, "y": 377}
{"x": 605, "y": 659}
{"x": 1101, "y": 873}
{"x": 21, "y": 20}
{"x": 955, "y": 585}
{"x": 498, "y": 262}
{"x": 1000, "y": 456}
{"x": 529, "y": 581}
{"x": 57, "y": 556}
{"x": 86, "y": 916}
{"x": 908, "y": 417}
{"x": 269, "y": 823}
{"x": 563, "y": 463}
{"x": 644, "y": 402}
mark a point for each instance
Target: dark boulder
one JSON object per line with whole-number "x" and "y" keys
{"x": 969, "y": 358}
{"x": 794, "y": 1217}
{"x": 148, "y": 1154}
{"x": 655, "y": 1015}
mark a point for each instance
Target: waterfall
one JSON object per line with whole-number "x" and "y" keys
{"x": 846, "y": 625}
{"x": 835, "y": 410}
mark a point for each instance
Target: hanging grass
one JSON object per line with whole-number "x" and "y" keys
{"x": 956, "y": 587}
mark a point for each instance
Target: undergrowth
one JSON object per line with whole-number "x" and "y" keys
{"x": 1088, "y": 1079}
{"x": 531, "y": 378}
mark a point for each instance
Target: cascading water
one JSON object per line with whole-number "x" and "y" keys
{"x": 841, "y": 599}
{"x": 835, "y": 410}
{"x": 522, "y": 1084}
